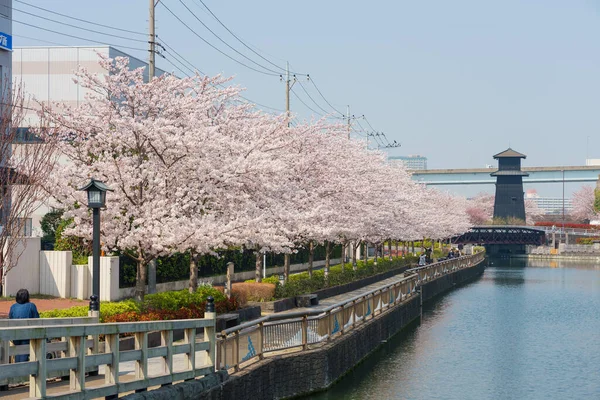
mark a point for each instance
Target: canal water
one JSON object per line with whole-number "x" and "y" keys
{"x": 524, "y": 330}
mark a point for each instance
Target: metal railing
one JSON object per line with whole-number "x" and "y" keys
{"x": 245, "y": 344}
{"x": 81, "y": 354}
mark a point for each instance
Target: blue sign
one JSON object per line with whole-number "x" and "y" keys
{"x": 5, "y": 41}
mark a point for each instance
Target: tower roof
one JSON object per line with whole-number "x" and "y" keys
{"x": 510, "y": 153}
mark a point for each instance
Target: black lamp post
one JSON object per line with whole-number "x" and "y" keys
{"x": 96, "y": 194}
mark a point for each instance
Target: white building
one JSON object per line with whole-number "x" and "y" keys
{"x": 47, "y": 74}
{"x": 412, "y": 162}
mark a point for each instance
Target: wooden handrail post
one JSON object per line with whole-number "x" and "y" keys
{"x": 166, "y": 339}
{"x": 190, "y": 338}
{"x": 210, "y": 331}
{"x": 77, "y": 348}
{"x": 111, "y": 372}
{"x": 353, "y": 313}
{"x": 141, "y": 365}
{"x": 37, "y": 382}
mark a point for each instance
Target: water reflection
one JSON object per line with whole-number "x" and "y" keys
{"x": 517, "y": 333}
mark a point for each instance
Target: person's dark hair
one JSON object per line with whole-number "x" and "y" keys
{"x": 23, "y": 296}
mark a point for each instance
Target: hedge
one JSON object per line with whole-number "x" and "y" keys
{"x": 177, "y": 266}
{"x": 301, "y": 283}
{"x": 162, "y": 306}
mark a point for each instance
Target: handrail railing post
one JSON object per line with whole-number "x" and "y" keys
{"x": 190, "y": 338}
{"x": 209, "y": 332}
{"x": 77, "y": 348}
{"x": 141, "y": 365}
{"x": 353, "y": 314}
{"x": 37, "y": 382}
{"x": 304, "y": 332}
{"x": 166, "y": 339}
{"x": 261, "y": 330}
{"x": 328, "y": 325}
{"x": 236, "y": 350}
{"x": 111, "y": 373}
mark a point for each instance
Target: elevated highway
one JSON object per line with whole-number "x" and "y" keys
{"x": 481, "y": 176}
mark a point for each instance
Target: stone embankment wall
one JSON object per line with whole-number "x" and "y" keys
{"x": 295, "y": 374}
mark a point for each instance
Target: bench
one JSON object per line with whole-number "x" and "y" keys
{"x": 307, "y": 300}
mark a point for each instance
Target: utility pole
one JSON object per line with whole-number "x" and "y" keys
{"x": 151, "y": 60}
{"x": 287, "y": 91}
{"x": 348, "y": 114}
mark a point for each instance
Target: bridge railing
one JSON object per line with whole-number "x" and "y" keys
{"x": 82, "y": 355}
{"x": 245, "y": 344}
{"x": 433, "y": 271}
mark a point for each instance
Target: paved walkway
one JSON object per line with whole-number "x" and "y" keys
{"x": 42, "y": 304}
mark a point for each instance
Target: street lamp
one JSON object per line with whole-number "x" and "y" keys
{"x": 96, "y": 194}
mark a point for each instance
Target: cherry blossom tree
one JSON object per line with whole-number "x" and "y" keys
{"x": 583, "y": 204}
{"x": 481, "y": 208}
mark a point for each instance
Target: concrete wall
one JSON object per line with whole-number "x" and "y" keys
{"x": 26, "y": 273}
{"x": 297, "y": 374}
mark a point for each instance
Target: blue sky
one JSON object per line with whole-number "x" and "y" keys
{"x": 456, "y": 81}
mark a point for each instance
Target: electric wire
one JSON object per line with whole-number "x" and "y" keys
{"x": 73, "y": 36}
{"x": 310, "y": 97}
{"x": 81, "y": 20}
{"x": 39, "y": 40}
{"x": 224, "y": 42}
{"x": 326, "y": 101}
{"x": 211, "y": 45}
{"x": 242, "y": 42}
{"x": 306, "y": 105}
{"x": 79, "y": 27}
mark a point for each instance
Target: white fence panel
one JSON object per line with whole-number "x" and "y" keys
{"x": 26, "y": 273}
{"x": 81, "y": 281}
{"x": 55, "y": 273}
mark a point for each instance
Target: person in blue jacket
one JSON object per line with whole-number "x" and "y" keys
{"x": 22, "y": 309}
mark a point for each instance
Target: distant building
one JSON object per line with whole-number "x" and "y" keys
{"x": 592, "y": 161}
{"x": 549, "y": 205}
{"x": 413, "y": 161}
{"x": 47, "y": 74}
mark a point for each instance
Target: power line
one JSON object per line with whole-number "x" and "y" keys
{"x": 211, "y": 45}
{"x": 79, "y": 27}
{"x": 242, "y": 42}
{"x": 39, "y": 40}
{"x": 326, "y": 101}
{"x": 306, "y": 105}
{"x": 192, "y": 67}
{"x": 225, "y": 43}
{"x": 73, "y": 36}
{"x": 82, "y": 20}
{"x": 310, "y": 97}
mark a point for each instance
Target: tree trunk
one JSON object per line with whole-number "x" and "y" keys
{"x": 354, "y": 248}
{"x": 327, "y": 262}
{"x": 286, "y": 267}
{"x": 397, "y": 249}
{"x": 343, "y": 255}
{"x": 413, "y": 247}
{"x": 140, "y": 280}
{"x": 376, "y": 251}
{"x": 193, "y": 286}
{"x": 311, "y": 257}
{"x": 366, "y": 255}
{"x": 258, "y": 264}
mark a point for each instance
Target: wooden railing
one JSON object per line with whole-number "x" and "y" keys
{"x": 80, "y": 355}
{"x": 245, "y": 344}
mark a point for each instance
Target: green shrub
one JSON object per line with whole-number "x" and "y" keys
{"x": 80, "y": 248}
{"x": 107, "y": 309}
